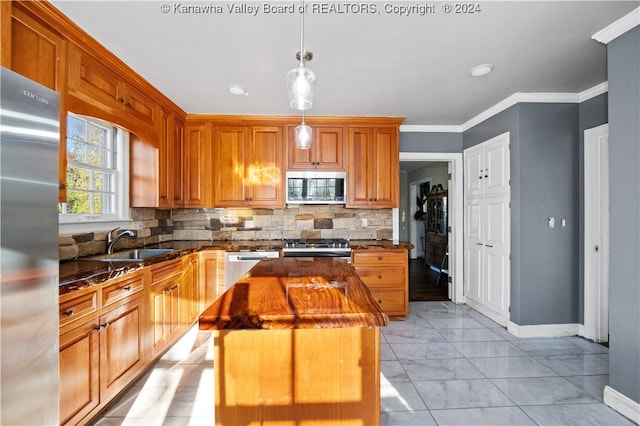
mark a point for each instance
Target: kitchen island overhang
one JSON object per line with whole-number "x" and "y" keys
{"x": 297, "y": 341}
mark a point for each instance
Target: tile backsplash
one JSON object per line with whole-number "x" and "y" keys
{"x": 305, "y": 221}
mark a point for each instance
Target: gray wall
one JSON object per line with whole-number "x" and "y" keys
{"x": 544, "y": 182}
{"x": 624, "y": 206}
{"x": 430, "y": 142}
{"x": 548, "y": 188}
{"x": 592, "y": 113}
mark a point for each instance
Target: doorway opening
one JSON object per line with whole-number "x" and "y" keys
{"x": 453, "y": 233}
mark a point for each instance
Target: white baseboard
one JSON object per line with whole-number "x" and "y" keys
{"x": 486, "y": 312}
{"x": 543, "y": 330}
{"x": 622, "y": 404}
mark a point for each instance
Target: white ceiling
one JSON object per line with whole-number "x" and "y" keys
{"x": 379, "y": 64}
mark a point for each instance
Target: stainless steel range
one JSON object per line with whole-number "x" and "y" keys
{"x": 323, "y": 247}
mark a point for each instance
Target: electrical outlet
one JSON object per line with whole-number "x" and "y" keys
{"x": 365, "y": 222}
{"x": 552, "y": 222}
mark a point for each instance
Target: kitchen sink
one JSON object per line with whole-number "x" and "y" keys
{"x": 135, "y": 255}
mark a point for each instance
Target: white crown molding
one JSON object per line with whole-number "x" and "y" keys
{"x": 622, "y": 404}
{"x": 419, "y": 128}
{"x": 516, "y": 98}
{"x": 593, "y": 92}
{"x": 619, "y": 27}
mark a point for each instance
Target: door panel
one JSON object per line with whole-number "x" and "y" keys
{"x": 496, "y": 167}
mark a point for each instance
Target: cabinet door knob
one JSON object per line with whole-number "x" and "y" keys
{"x": 379, "y": 276}
{"x": 121, "y": 100}
{"x": 380, "y": 301}
{"x": 379, "y": 257}
{"x": 68, "y": 313}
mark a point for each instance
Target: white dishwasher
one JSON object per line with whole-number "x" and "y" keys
{"x": 237, "y": 263}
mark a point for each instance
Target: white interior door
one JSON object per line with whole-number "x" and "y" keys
{"x": 596, "y": 233}
{"x": 497, "y": 249}
{"x": 473, "y": 249}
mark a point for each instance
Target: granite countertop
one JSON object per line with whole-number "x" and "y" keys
{"x": 295, "y": 293}
{"x": 81, "y": 273}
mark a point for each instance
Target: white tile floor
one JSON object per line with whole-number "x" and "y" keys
{"x": 446, "y": 364}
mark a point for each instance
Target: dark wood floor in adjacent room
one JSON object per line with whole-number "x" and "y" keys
{"x": 423, "y": 283}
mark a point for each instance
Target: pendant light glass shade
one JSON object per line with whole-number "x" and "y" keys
{"x": 301, "y": 83}
{"x": 303, "y": 136}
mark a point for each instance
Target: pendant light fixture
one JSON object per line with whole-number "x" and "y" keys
{"x": 301, "y": 81}
{"x": 303, "y": 135}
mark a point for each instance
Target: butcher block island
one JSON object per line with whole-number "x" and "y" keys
{"x": 296, "y": 341}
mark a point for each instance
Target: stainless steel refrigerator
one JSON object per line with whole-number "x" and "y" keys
{"x": 29, "y": 141}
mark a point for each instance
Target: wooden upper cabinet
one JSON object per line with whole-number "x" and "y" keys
{"x": 176, "y": 162}
{"x": 143, "y": 173}
{"x": 171, "y": 134}
{"x": 249, "y": 166}
{"x": 39, "y": 53}
{"x": 98, "y": 91}
{"x": 264, "y": 171}
{"x": 230, "y": 143}
{"x": 326, "y": 152}
{"x": 373, "y": 167}
{"x": 197, "y": 174}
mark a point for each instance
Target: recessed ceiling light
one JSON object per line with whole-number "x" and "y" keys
{"x": 481, "y": 70}
{"x": 238, "y": 90}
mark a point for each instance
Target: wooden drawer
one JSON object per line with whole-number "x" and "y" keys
{"x": 388, "y": 276}
{"x": 166, "y": 270}
{"x": 379, "y": 257}
{"x": 122, "y": 288}
{"x": 392, "y": 302}
{"x": 77, "y": 307}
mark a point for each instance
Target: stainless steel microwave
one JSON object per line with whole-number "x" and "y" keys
{"x": 316, "y": 187}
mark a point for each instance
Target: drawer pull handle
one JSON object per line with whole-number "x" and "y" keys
{"x": 380, "y": 301}
{"x": 379, "y": 257}
{"x": 127, "y": 288}
{"x": 68, "y": 313}
{"x": 101, "y": 327}
{"x": 379, "y": 276}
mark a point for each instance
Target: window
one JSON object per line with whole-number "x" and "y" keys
{"x": 96, "y": 171}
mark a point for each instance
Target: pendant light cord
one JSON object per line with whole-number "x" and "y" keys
{"x": 302, "y": 54}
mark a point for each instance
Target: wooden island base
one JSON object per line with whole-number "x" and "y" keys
{"x": 297, "y": 377}
{"x": 296, "y": 343}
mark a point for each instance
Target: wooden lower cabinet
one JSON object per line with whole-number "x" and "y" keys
{"x": 111, "y": 332}
{"x": 122, "y": 346}
{"x": 164, "y": 304}
{"x": 287, "y": 380}
{"x": 190, "y": 289}
{"x": 103, "y": 349}
{"x": 386, "y": 274}
{"x": 211, "y": 277}
{"x": 79, "y": 372}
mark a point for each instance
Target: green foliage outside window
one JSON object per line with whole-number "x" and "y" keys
{"x": 90, "y": 168}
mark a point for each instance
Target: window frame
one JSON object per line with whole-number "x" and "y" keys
{"x": 69, "y": 223}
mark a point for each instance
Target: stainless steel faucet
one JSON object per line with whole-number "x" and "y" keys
{"x": 111, "y": 241}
